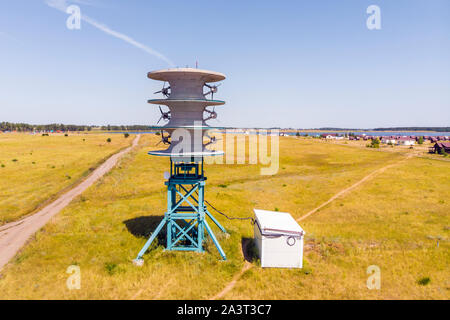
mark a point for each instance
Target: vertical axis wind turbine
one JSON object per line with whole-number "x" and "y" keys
{"x": 185, "y": 218}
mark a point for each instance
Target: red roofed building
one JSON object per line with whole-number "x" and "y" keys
{"x": 439, "y": 147}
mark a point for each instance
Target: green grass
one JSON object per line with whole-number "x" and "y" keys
{"x": 36, "y": 168}
{"x": 104, "y": 229}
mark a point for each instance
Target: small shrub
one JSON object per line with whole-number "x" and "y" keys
{"x": 126, "y": 135}
{"x": 111, "y": 268}
{"x": 424, "y": 281}
{"x": 307, "y": 270}
{"x": 375, "y": 143}
{"x": 276, "y": 209}
{"x": 108, "y": 140}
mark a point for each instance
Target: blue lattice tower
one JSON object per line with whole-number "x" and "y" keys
{"x": 186, "y": 217}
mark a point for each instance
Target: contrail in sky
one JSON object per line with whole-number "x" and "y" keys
{"x": 62, "y": 6}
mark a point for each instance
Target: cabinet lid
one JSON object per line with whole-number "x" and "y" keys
{"x": 277, "y": 223}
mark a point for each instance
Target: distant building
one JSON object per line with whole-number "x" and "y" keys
{"x": 406, "y": 141}
{"x": 388, "y": 140}
{"x": 332, "y": 136}
{"x": 439, "y": 147}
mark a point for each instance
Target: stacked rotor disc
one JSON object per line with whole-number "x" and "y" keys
{"x": 186, "y": 99}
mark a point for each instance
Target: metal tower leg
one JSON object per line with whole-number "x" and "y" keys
{"x": 153, "y": 236}
{"x": 213, "y": 237}
{"x": 216, "y": 222}
{"x": 186, "y": 219}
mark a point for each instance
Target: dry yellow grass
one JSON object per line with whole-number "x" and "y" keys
{"x": 35, "y": 168}
{"x": 104, "y": 229}
{"x": 398, "y": 221}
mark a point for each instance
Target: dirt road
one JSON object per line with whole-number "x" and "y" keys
{"x": 14, "y": 235}
{"x": 353, "y": 186}
{"x": 248, "y": 265}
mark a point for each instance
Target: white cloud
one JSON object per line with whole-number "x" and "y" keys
{"x": 62, "y": 6}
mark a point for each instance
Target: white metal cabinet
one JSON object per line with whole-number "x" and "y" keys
{"x": 279, "y": 239}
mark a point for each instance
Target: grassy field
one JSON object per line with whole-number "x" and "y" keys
{"x": 35, "y": 168}
{"x": 419, "y": 150}
{"x": 393, "y": 220}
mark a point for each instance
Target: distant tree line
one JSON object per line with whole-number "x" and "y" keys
{"x": 124, "y": 128}
{"x": 25, "y": 127}
{"x": 437, "y": 129}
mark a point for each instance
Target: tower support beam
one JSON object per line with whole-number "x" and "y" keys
{"x": 185, "y": 218}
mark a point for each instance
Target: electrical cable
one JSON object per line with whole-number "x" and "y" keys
{"x": 276, "y": 235}
{"x": 231, "y": 218}
{"x": 226, "y": 216}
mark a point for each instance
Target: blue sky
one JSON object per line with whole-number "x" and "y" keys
{"x": 302, "y": 64}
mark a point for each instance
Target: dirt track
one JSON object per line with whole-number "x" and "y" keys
{"x": 248, "y": 265}
{"x": 14, "y": 235}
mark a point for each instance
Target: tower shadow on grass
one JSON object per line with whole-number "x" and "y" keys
{"x": 249, "y": 250}
{"x": 144, "y": 226}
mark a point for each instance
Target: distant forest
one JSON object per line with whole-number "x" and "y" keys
{"x": 436, "y": 129}
{"x": 25, "y": 127}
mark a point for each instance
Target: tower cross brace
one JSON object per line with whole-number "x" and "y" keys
{"x": 185, "y": 218}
